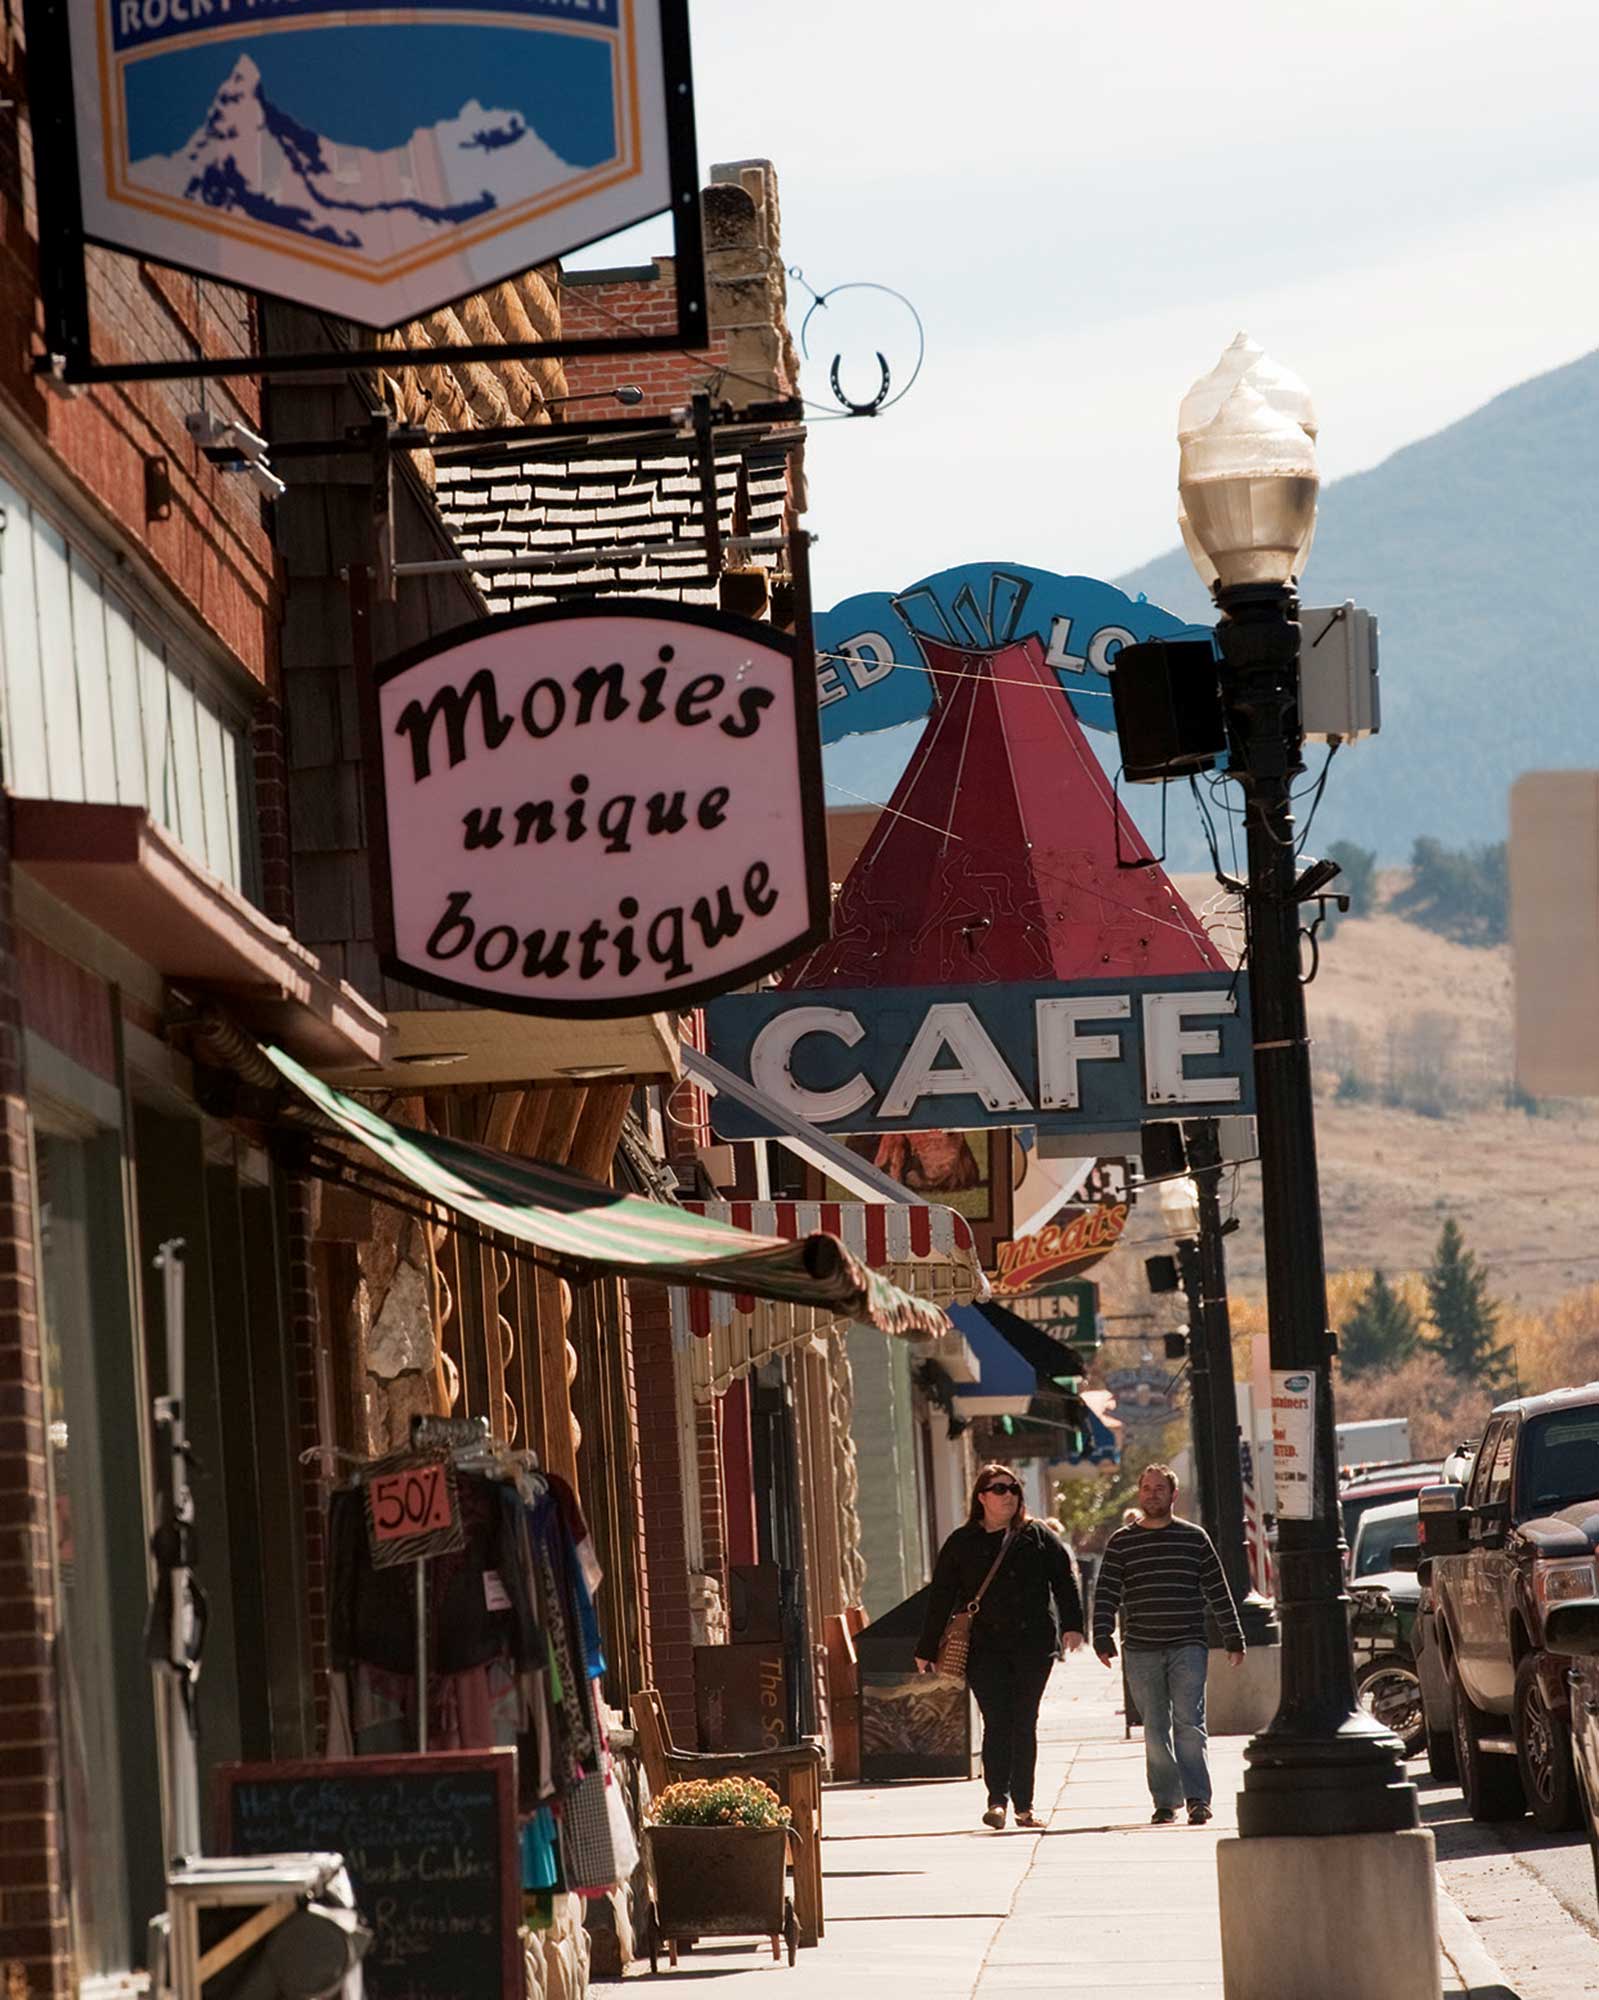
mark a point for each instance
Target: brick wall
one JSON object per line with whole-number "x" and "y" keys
{"x": 665, "y": 1565}
{"x": 601, "y": 305}
{"x": 33, "y": 1907}
{"x": 748, "y": 356}
{"x": 713, "y": 1502}
{"x": 214, "y": 549}
{"x": 269, "y": 752}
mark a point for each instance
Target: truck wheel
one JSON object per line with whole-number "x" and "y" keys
{"x": 1442, "y": 1763}
{"x": 1543, "y": 1753}
{"x": 1490, "y": 1783}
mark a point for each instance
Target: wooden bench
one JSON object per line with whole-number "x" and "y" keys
{"x": 793, "y": 1770}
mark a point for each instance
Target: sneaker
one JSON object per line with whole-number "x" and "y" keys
{"x": 995, "y": 1816}
{"x": 1163, "y": 1816}
{"x": 1199, "y": 1814}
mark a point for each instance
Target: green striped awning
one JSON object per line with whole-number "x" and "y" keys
{"x": 580, "y": 1222}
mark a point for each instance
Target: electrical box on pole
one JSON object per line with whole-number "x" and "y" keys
{"x": 1338, "y": 694}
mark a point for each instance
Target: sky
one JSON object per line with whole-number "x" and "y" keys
{"x": 1397, "y": 198}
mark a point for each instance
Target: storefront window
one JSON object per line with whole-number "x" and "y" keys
{"x": 93, "y": 1433}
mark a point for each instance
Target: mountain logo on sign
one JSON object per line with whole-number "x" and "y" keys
{"x": 251, "y": 157}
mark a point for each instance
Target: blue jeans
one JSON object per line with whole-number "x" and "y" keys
{"x": 1168, "y": 1684}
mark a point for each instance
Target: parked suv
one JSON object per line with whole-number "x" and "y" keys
{"x": 1368, "y": 1486}
{"x": 1518, "y": 1539}
{"x": 1576, "y": 1627}
{"x": 1432, "y": 1664}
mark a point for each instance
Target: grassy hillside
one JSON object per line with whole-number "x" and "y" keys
{"x": 1417, "y": 1118}
{"x": 1476, "y": 548}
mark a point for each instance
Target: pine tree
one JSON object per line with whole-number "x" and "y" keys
{"x": 1357, "y": 880}
{"x": 1380, "y": 1332}
{"x": 1464, "y": 1318}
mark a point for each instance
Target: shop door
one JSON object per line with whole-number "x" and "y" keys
{"x": 196, "y": 1182}
{"x": 774, "y": 1450}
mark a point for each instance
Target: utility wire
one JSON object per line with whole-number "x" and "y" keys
{"x": 1315, "y": 803}
{"x": 719, "y": 369}
{"x": 1041, "y": 869}
{"x": 970, "y": 674}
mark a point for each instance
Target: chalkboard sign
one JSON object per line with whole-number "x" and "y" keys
{"x": 430, "y": 1843}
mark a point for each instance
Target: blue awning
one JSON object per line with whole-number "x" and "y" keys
{"x": 1005, "y": 1380}
{"x": 1017, "y": 1365}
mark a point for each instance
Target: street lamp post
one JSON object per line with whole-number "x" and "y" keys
{"x": 1248, "y": 484}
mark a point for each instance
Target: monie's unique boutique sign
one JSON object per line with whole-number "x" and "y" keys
{"x": 597, "y": 810}
{"x": 1089, "y": 1058}
{"x": 369, "y": 159}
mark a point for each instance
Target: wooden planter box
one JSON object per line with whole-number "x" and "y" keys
{"x": 915, "y": 1726}
{"x": 718, "y": 1881}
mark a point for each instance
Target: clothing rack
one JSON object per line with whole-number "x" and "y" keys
{"x": 463, "y": 1619}
{"x": 469, "y": 1446}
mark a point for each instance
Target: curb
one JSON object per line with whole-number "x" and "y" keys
{"x": 1478, "y": 1974}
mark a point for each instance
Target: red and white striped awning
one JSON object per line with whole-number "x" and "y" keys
{"x": 924, "y": 1250}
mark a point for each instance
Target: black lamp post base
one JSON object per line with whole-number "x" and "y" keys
{"x": 1350, "y": 1782}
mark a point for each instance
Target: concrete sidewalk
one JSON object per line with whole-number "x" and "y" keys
{"x": 922, "y": 1900}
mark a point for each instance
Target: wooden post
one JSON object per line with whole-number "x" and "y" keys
{"x": 558, "y": 1454}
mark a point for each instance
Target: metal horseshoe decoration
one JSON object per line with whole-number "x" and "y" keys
{"x": 862, "y": 409}
{"x": 882, "y": 399}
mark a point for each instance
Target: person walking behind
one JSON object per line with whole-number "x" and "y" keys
{"x": 1162, "y": 1573}
{"x": 1030, "y": 1614}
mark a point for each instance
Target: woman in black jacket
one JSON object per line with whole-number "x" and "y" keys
{"x": 1029, "y": 1616}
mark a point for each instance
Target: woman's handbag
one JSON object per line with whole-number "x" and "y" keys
{"x": 956, "y": 1643}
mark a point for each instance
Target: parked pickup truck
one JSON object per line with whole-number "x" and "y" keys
{"x": 1499, "y": 1553}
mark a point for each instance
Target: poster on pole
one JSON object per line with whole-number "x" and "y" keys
{"x": 1293, "y": 1430}
{"x": 372, "y": 160}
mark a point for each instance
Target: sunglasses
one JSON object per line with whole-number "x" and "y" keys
{"x": 1002, "y": 1486}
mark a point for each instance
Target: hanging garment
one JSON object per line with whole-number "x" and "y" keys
{"x": 480, "y": 1709}
{"x": 624, "y": 1842}
{"x": 578, "y": 1528}
{"x": 588, "y": 1853}
{"x": 535, "y": 1754}
{"x": 541, "y": 1852}
{"x": 575, "y": 1739}
{"x": 478, "y": 1602}
{"x": 588, "y": 1622}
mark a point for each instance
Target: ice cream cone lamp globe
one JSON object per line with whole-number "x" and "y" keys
{"x": 1247, "y": 482}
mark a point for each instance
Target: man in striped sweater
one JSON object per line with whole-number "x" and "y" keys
{"x": 1163, "y": 1574}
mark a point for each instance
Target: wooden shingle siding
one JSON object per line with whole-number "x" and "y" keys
{"x": 618, "y": 497}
